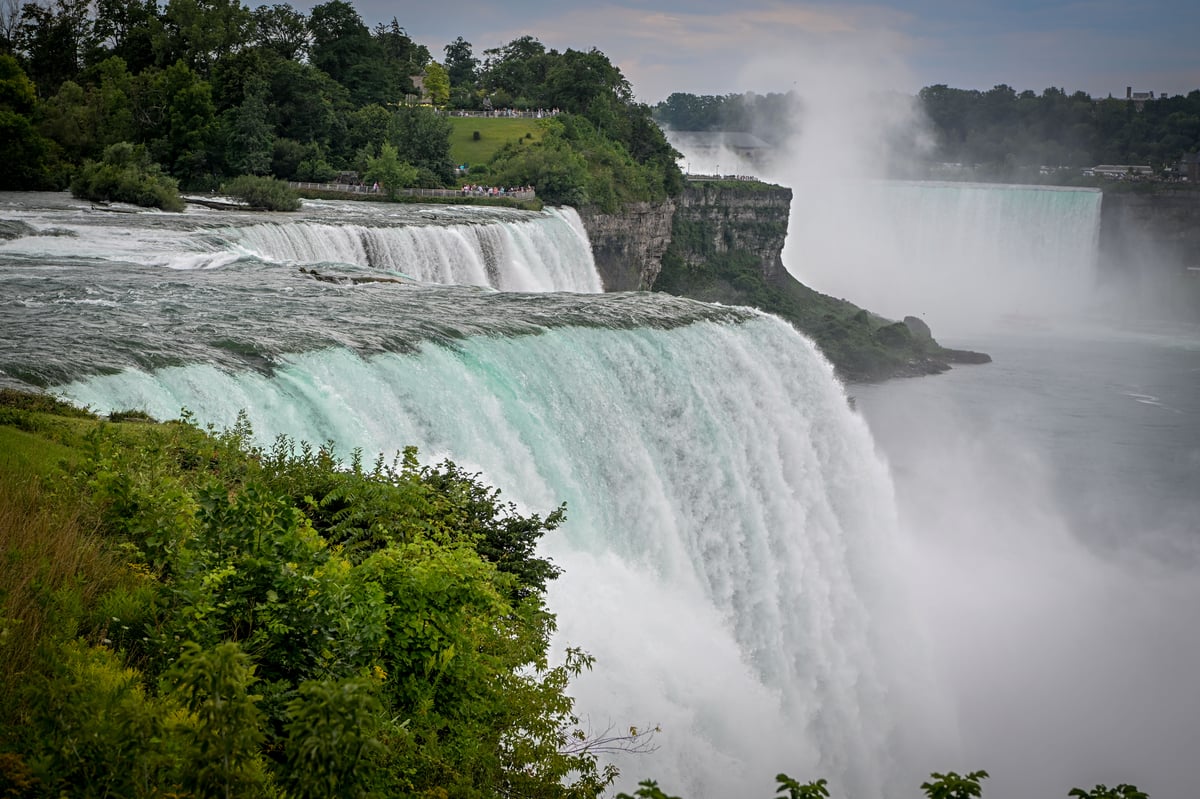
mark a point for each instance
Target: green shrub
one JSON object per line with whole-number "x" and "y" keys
{"x": 126, "y": 174}
{"x": 261, "y": 192}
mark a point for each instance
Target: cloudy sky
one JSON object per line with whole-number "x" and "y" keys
{"x": 705, "y": 47}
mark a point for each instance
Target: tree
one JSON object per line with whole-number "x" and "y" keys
{"x": 1121, "y": 791}
{"x": 422, "y": 138}
{"x": 437, "y": 83}
{"x": 250, "y": 138}
{"x": 810, "y": 790}
{"x": 953, "y": 786}
{"x": 200, "y": 32}
{"x": 390, "y": 172}
{"x": 460, "y": 63}
{"x": 128, "y": 29}
{"x": 282, "y": 29}
{"x": 126, "y": 174}
{"x": 54, "y": 41}
{"x": 215, "y": 687}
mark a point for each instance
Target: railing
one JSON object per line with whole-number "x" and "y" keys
{"x": 352, "y": 188}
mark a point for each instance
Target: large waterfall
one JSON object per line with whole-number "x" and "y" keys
{"x": 954, "y": 253}
{"x": 725, "y": 541}
{"x": 495, "y": 247}
{"x": 731, "y": 538}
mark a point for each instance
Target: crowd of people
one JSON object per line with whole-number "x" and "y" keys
{"x": 477, "y": 190}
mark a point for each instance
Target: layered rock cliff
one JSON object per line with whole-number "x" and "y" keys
{"x": 722, "y": 241}
{"x": 628, "y": 246}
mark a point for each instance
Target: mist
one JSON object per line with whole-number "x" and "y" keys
{"x": 1054, "y": 598}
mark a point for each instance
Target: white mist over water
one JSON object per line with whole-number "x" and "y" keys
{"x": 731, "y": 544}
{"x": 1059, "y": 591}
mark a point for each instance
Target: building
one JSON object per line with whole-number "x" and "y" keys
{"x": 1122, "y": 171}
{"x": 1139, "y": 99}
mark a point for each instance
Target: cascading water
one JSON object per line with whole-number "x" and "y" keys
{"x": 495, "y": 247}
{"x": 725, "y": 538}
{"x": 953, "y": 253}
{"x": 730, "y": 530}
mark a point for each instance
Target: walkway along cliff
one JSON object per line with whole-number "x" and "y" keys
{"x": 722, "y": 241}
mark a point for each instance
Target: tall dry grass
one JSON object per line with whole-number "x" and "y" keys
{"x": 53, "y": 569}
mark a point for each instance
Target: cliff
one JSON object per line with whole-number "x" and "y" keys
{"x": 722, "y": 241}
{"x": 628, "y": 246}
{"x": 1150, "y": 248}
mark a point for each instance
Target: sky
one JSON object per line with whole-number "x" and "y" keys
{"x": 704, "y": 47}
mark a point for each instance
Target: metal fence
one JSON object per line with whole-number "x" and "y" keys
{"x": 352, "y": 188}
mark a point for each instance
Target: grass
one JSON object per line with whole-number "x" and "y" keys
{"x": 494, "y": 133}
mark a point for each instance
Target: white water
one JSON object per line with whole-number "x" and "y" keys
{"x": 728, "y": 542}
{"x": 955, "y": 254}
{"x": 498, "y": 248}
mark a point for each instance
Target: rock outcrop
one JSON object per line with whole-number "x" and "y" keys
{"x": 722, "y": 241}
{"x": 628, "y": 246}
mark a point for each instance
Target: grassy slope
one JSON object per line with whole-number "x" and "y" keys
{"x": 494, "y": 133}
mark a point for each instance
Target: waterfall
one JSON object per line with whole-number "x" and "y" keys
{"x": 549, "y": 253}
{"x": 955, "y": 253}
{"x": 727, "y": 541}
{"x": 494, "y": 247}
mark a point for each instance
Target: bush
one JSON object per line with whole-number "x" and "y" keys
{"x": 126, "y": 174}
{"x": 261, "y": 192}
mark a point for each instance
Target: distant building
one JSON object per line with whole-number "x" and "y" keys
{"x": 1139, "y": 99}
{"x": 1122, "y": 170}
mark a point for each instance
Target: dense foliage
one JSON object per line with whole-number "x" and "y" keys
{"x": 262, "y": 192}
{"x": 214, "y": 90}
{"x": 187, "y": 614}
{"x": 126, "y": 174}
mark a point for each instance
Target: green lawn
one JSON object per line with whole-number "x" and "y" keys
{"x": 494, "y": 133}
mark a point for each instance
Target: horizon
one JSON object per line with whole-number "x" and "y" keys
{"x": 707, "y": 48}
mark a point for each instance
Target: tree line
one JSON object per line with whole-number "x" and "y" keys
{"x": 1000, "y": 129}
{"x": 213, "y": 89}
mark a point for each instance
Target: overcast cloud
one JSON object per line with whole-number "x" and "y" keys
{"x": 1097, "y": 46}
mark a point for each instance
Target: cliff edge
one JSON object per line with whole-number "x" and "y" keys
{"x": 722, "y": 241}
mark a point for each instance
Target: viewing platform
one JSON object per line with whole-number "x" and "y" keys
{"x": 353, "y": 188}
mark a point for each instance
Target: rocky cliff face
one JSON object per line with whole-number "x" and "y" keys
{"x": 628, "y": 246}
{"x": 723, "y": 242}
{"x": 715, "y": 219}
{"x": 707, "y": 219}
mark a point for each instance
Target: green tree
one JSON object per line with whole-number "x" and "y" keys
{"x": 460, "y": 63}
{"x": 127, "y": 174}
{"x": 200, "y": 32}
{"x": 1122, "y": 791}
{"x": 282, "y": 29}
{"x": 251, "y": 140}
{"x": 215, "y": 685}
{"x": 330, "y": 739}
{"x": 954, "y": 786}
{"x": 795, "y": 790}
{"x": 421, "y": 136}
{"x": 390, "y": 172}
{"x": 437, "y": 83}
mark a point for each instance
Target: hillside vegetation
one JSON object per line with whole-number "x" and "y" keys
{"x": 187, "y": 614}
